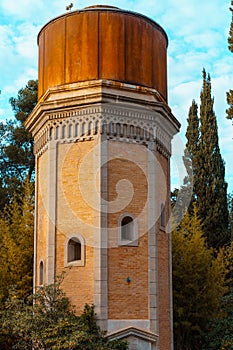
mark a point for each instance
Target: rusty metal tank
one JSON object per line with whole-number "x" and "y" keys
{"x": 103, "y": 42}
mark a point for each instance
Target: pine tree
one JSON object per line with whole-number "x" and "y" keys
{"x": 210, "y": 185}
{"x": 16, "y": 145}
{"x": 230, "y": 93}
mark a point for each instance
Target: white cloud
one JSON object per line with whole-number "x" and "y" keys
{"x": 195, "y": 16}
{"x": 21, "y": 81}
{"x": 32, "y": 11}
{"x": 22, "y": 9}
{"x": 12, "y": 89}
{"x": 1, "y": 113}
{"x": 223, "y": 67}
{"x": 209, "y": 39}
{"x": 181, "y": 96}
{"x": 177, "y": 166}
{"x": 25, "y": 41}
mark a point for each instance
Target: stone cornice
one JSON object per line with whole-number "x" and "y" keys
{"x": 115, "y": 121}
{"x": 122, "y": 112}
{"x": 74, "y": 95}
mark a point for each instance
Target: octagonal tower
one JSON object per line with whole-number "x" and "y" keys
{"x": 103, "y": 129}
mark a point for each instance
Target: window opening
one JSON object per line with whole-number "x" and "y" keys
{"x": 74, "y": 250}
{"x": 163, "y": 216}
{"x": 127, "y": 228}
{"x": 41, "y": 273}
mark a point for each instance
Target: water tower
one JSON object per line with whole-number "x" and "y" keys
{"x": 103, "y": 129}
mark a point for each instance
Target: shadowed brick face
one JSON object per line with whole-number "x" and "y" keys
{"x": 164, "y": 290}
{"x": 163, "y": 241}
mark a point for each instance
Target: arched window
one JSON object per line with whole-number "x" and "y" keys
{"x": 162, "y": 216}
{"x": 127, "y": 230}
{"x": 41, "y": 273}
{"x": 75, "y": 251}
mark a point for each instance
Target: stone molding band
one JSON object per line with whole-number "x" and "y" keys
{"x": 120, "y": 124}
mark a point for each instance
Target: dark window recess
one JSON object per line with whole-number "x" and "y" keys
{"x": 74, "y": 250}
{"x": 127, "y": 228}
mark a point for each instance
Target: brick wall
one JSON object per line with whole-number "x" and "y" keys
{"x": 128, "y": 162}
{"x": 164, "y": 259}
{"x": 76, "y": 180}
{"x": 42, "y": 211}
{"x": 75, "y": 215}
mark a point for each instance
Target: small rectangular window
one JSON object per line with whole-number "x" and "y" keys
{"x": 128, "y": 231}
{"x": 127, "y": 228}
{"x": 74, "y": 250}
{"x": 74, "y": 253}
{"x": 163, "y": 216}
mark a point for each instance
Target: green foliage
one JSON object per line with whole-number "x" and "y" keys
{"x": 16, "y": 145}
{"x": 229, "y": 111}
{"x": 220, "y": 335}
{"x": 50, "y": 323}
{"x": 16, "y": 244}
{"x": 25, "y": 101}
{"x": 209, "y": 186}
{"x": 192, "y": 147}
{"x": 198, "y": 284}
{"x": 230, "y": 38}
{"x": 184, "y": 198}
{"x": 230, "y": 209}
{"x": 193, "y": 132}
{"x": 230, "y": 93}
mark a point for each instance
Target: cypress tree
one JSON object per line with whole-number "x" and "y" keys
{"x": 184, "y": 198}
{"x": 210, "y": 185}
{"x": 191, "y": 151}
{"x": 192, "y": 133}
{"x": 230, "y": 38}
{"x": 230, "y": 93}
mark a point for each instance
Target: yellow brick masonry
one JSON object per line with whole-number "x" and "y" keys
{"x": 42, "y": 213}
{"x": 75, "y": 214}
{"x": 128, "y": 300}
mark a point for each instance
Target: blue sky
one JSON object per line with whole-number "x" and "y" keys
{"x": 197, "y": 32}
